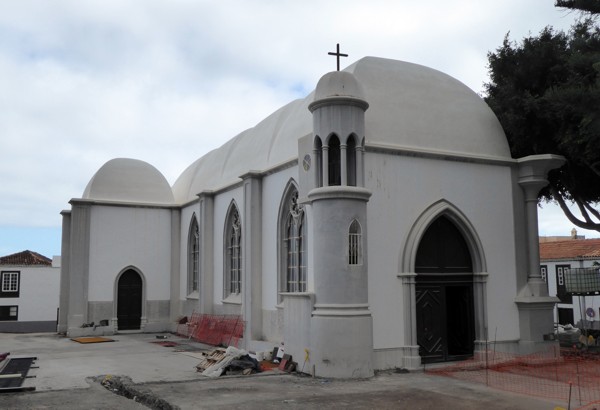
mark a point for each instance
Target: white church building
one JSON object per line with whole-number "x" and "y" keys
{"x": 380, "y": 222}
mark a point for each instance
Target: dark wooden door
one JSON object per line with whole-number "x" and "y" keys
{"x": 444, "y": 294}
{"x": 460, "y": 324}
{"x": 430, "y": 325}
{"x": 129, "y": 300}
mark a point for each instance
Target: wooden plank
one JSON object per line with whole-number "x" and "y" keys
{"x": 10, "y": 376}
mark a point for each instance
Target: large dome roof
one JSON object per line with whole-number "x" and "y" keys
{"x": 129, "y": 180}
{"x": 411, "y": 107}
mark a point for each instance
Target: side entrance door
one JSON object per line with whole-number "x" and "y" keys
{"x": 129, "y": 300}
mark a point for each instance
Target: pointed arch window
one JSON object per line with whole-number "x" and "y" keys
{"x": 294, "y": 241}
{"x": 351, "y": 161}
{"x": 233, "y": 254}
{"x": 335, "y": 174}
{"x": 317, "y": 150}
{"x": 193, "y": 256}
{"x": 355, "y": 243}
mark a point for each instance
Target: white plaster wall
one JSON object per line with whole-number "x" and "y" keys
{"x": 121, "y": 237}
{"x": 221, "y": 206}
{"x": 274, "y": 186}
{"x": 403, "y": 187}
{"x": 38, "y": 295}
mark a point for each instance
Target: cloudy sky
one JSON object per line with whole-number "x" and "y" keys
{"x": 82, "y": 82}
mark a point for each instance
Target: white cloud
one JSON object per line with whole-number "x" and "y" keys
{"x": 165, "y": 82}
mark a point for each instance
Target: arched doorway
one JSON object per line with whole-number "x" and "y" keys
{"x": 129, "y": 300}
{"x": 444, "y": 294}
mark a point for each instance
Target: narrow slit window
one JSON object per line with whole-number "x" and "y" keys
{"x": 355, "y": 244}
{"x": 193, "y": 256}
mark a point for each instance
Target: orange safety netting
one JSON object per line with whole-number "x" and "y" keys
{"x": 554, "y": 374}
{"x": 216, "y": 330}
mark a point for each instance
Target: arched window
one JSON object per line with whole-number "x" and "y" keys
{"x": 317, "y": 149}
{"x": 351, "y": 161}
{"x": 355, "y": 243}
{"x": 335, "y": 174}
{"x": 193, "y": 255}
{"x": 294, "y": 245}
{"x": 233, "y": 253}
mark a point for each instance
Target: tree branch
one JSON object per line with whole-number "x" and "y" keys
{"x": 592, "y": 210}
{"x": 574, "y": 220}
{"x": 582, "y": 209}
{"x": 589, "y": 6}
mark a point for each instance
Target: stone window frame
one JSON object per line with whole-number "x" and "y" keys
{"x": 232, "y": 275}
{"x": 193, "y": 254}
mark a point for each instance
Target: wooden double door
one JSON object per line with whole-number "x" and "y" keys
{"x": 444, "y": 294}
{"x": 445, "y": 325}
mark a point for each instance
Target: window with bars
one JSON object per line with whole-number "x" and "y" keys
{"x": 355, "y": 244}
{"x": 233, "y": 279}
{"x": 10, "y": 284}
{"x": 9, "y": 313}
{"x": 295, "y": 247}
{"x": 544, "y": 272}
{"x": 193, "y": 256}
{"x": 561, "y": 289}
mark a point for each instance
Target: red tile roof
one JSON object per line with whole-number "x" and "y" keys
{"x": 25, "y": 258}
{"x": 570, "y": 249}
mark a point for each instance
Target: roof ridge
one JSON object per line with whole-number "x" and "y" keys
{"x": 25, "y": 258}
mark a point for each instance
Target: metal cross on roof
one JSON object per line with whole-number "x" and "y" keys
{"x": 338, "y": 55}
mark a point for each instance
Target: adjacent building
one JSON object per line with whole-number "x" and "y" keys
{"x": 29, "y": 291}
{"x": 558, "y": 256}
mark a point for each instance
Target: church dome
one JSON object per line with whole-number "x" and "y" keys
{"x": 129, "y": 180}
{"x": 339, "y": 84}
{"x": 411, "y": 108}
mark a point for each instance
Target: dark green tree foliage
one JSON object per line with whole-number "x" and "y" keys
{"x": 589, "y": 6}
{"x": 546, "y": 94}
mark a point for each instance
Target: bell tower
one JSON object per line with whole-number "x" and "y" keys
{"x": 341, "y": 322}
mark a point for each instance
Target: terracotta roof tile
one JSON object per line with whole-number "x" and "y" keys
{"x": 570, "y": 249}
{"x": 26, "y": 258}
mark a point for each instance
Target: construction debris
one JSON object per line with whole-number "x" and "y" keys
{"x": 227, "y": 361}
{"x": 13, "y": 373}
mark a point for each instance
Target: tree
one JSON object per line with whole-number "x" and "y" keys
{"x": 546, "y": 94}
{"x": 590, "y": 6}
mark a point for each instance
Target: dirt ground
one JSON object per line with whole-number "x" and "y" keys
{"x": 277, "y": 391}
{"x": 69, "y": 375}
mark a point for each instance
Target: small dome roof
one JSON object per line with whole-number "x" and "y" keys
{"x": 129, "y": 180}
{"x": 411, "y": 107}
{"x": 339, "y": 84}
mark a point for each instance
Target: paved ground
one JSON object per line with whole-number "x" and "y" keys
{"x": 69, "y": 377}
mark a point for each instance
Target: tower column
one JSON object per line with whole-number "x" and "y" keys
{"x": 252, "y": 268}
{"x": 206, "y": 214}
{"x": 341, "y": 325}
{"x": 535, "y": 305}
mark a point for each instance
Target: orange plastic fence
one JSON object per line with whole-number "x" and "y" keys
{"x": 216, "y": 330}
{"x": 552, "y": 374}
